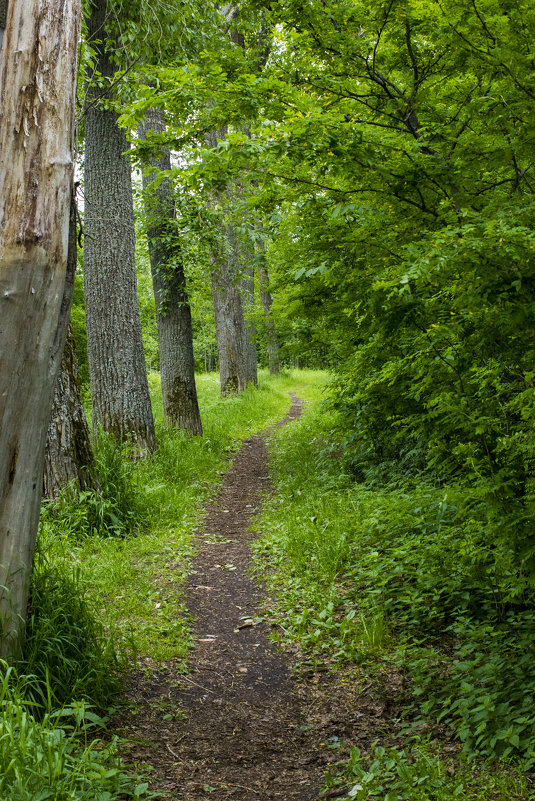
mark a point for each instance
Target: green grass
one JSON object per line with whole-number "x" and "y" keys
{"x": 361, "y": 574}
{"x": 53, "y": 755}
{"x": 135, "y": 582}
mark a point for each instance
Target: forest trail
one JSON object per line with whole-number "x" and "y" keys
{"x": 240, "y": 726}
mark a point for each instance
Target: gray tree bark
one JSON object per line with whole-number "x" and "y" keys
{"x": 229, "y": 320}
{"x": 68, "y": 453}
{"x": 272, "y": 343}
{"x": 118, "y": 377}
{"x": 230, "y": 326}
{"x": 173, "y": 313}
{"x": 37, "y": 90}
{"x": 247, "y": 293}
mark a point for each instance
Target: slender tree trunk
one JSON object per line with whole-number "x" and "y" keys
{"x": 227, "y": 300}
{"x": 173, "y": 313}
{"x": 272, "y": 343}
{"x": 247, "y": 292}
{"x": 37, "y": 86}
{"x": 118, "y": 376}
{"x": 68, "y": 453}
{"x": 229, "y": 322}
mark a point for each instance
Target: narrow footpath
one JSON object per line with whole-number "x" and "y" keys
{"x": 241, "y": 725}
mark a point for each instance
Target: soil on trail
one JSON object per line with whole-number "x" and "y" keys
{"x": 241, "y": 724}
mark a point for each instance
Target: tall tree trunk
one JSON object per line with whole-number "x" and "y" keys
{"x": 247, "y": 292}
{"x": 119, "y": 386}
{"x": 173, "y": 313}
{"x": 227, "y": 300}
{"x": 37, "y": 87}
{"x": 229, "y": 321}
{"x": 68, "y": 453}
{"x": 272, "y": 343}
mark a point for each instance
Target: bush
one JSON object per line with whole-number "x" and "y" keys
{"x": 411, "y": 571}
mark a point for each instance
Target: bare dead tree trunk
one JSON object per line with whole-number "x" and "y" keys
{"x": 118, "y": 376}
{"x": 68, "y": 452}
{"x": 173, "y": 313}
{"x": 37, "y": 86}
{"x": 272, "y": 343}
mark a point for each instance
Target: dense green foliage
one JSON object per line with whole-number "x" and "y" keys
{"x": 363, "y": 572}
{"x": 387, "y": 150}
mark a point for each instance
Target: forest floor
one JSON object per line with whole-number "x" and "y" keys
{"x": 248, "y": 721}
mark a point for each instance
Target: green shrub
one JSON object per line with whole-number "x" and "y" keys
{"x": 67, "y": 655}
{"x": 485, "y": 690}
{"x": 406, "y": 570}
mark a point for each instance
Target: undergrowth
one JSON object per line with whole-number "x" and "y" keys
{"x": 404, "y": 572}
{"x": 135, "y": 581}
{"x": 106, "y": 585}
{"x": 49, "y": 754}
{"x": 67, "y": 654}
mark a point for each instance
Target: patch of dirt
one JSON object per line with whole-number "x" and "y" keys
{"x": 243, "y": 724}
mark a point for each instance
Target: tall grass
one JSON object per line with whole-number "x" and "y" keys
{"x": 47, "y": 756}
{"x": 66, "y": 654}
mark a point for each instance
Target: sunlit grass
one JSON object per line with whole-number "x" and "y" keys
{"x": 137, "y": 582}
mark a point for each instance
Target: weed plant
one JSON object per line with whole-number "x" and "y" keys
{"x": 46, "y": 755}
{"x": 115, "y": 509}
{"x": 404, "y": 571}
{"x": 419, "y": 773}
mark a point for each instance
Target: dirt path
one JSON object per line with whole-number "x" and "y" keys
{"x": 239, "y": 725}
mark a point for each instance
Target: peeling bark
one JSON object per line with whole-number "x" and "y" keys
{"x": 37, "y": 85}
{"x": 118, "y": 376}
{"x": 173, "y": 313}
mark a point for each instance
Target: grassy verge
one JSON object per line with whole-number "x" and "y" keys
{"x": 134, "y": 581}
{"x": 393, "y": 575}
{"x": 107, "y": 586}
